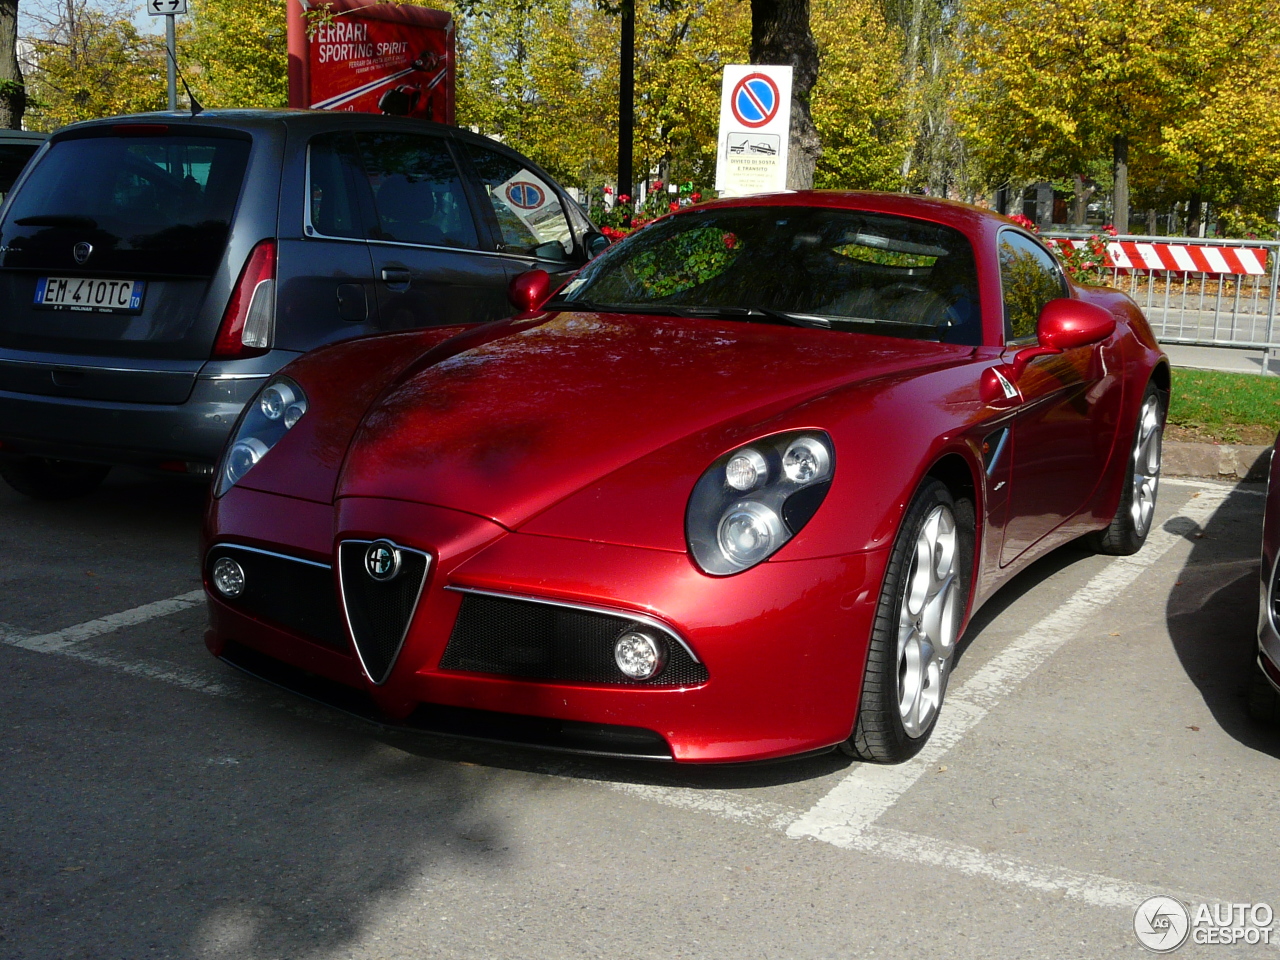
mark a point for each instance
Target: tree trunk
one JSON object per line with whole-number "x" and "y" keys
{"x": 1193, "y": 215}
{"x": 13, "y": 94}
{"x": 1080, "y": 211}
{"x": 780, "y": 35}
{"x": 1120, "y": 216}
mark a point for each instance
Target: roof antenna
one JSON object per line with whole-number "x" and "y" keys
{"x": 196, "y": 107}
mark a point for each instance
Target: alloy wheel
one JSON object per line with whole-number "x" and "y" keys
{"x": 928, "y": 621}
{"x": 1146, "y": 466}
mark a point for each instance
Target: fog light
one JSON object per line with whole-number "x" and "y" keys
{"x": 639, "y": 655}
{"x": 228, "y": 577}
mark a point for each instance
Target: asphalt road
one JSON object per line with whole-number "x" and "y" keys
{"x": 1094, "y": 751}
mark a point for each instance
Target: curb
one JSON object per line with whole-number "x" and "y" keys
{"x": 1227, "y": 460}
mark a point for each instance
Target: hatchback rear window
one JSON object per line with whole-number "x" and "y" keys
{"x": 147, "y": 204}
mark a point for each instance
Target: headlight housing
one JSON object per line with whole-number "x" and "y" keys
{"x": 754, "y": 499}
{"x": 269, "y": 416}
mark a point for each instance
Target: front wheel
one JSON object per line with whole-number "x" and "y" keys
{"x": 1128, "y": 529}
{"x": 917, "y": 624}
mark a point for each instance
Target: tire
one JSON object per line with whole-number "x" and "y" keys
{"x": 1264, "y": 702}
{"x": 44, "y": 479}
{"x": 917, "y": 623}
{"x": 1129, "y": 528}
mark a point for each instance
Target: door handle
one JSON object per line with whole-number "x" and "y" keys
{"x": 396, "y": 275}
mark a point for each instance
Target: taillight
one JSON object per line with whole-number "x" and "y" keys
{"x": 248, "y": 325}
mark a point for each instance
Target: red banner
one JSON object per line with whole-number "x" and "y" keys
{"x": 377, "y": 58}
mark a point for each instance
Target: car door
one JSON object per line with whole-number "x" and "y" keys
{"x": 1065, "y": 424}
{"x": 325, "y": 278}
{"x": 429, "y": 259}
{"x": 527, "y": 214}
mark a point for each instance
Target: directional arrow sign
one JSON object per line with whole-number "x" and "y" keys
{"x": 166, "y": 8}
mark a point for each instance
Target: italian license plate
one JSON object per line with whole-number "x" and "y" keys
{"x": 90, "y": 295}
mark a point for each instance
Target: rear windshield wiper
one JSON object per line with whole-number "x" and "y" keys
{"x": 57, "y": 220}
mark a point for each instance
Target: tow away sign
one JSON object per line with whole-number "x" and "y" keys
{"x": 755, "y": 124}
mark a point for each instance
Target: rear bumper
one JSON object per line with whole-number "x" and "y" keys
{"x": 784, "y": 645}
{"x": 128, "y": 433}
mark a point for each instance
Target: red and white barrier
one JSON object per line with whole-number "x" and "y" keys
{"x": 1132, "y": 255}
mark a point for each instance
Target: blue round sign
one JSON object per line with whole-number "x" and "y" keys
{"x": 525, "y": 195}
{"x": 755, "y": 100}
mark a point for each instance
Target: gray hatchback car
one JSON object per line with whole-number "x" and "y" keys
{"x": 155, "y": 269}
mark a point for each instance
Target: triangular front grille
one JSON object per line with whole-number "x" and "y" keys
{"x": 378, "y": 611}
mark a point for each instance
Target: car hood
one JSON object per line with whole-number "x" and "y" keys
{"x": 509, "y": 426}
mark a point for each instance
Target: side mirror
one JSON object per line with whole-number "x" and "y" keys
{"x": 551, "y": 250}
{"x": 595, "y": 243}
{"x": 1065, "y": 324}
{"x": 529, "y": 290}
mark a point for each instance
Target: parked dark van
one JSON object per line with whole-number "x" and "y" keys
{"x": 154, "y": 269}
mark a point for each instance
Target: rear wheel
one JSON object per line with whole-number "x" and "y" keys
{"x": 43, "y": 479}
{"x": 917, "y": 624}
{"x": 1128, "y": 529}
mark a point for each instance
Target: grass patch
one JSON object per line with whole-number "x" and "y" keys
{"x": 1226, "y": 407}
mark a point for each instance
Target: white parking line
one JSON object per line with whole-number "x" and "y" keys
{"x": 60, "y": 640}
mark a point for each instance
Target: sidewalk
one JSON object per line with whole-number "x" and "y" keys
{"x": 1229, "y": 359}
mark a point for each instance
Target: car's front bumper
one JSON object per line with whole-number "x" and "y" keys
{"x": 783, "y": 645}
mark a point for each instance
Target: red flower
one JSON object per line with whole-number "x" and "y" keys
{"x": 657, "y": 184}
{"x": 673, "y": 206}
{"x": 695, "y": 197}
{"x": 730, "y": 241}
{"x": 1025, "y": 222}
{"x": 608, "y": 191}
{"x": 1110, "y": 230}
{"x": 624, "y": 198}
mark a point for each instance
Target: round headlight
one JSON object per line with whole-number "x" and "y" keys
{"x": 293, "y": 413}
{"x": 806, "y": 460}
{"x": 275, "y": 400}
{"x": 639, "y": 655}
{"x": 749, "y": 532}
{"x": 228, "y": 577}
{"x": 746, "y": 470}
{"x": 242, "y": 456}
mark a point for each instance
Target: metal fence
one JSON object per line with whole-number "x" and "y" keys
{"x": 1207, "y": 307}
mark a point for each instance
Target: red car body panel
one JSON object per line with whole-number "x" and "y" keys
{"x": 552, "y": 456}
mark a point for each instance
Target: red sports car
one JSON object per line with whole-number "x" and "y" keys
{"x": 730, "y": 494}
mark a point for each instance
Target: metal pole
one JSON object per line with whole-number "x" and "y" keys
{"x": 172, "y": 59}
{"x": 626, "y": 105}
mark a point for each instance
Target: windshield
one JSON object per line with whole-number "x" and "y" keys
{"x": 842, "y": 269}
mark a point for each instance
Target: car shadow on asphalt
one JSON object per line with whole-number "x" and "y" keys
{"x": 1212, "y": 615}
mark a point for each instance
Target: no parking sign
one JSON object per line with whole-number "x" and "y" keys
{"x": 755, "y": 123}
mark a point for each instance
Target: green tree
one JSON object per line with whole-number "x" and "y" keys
{"x": 238, "y": 51}
{"x": 91, "y": 61}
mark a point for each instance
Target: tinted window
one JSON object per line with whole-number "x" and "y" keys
{"x": 13, "y": 157}
{"x": 417, "y": 192}
{"x": 147, "y": 204}
{"x": 848, "y": 270}
{"x": 1029, "y": 278}
{"x": 333, "y": 209}
{"x": 528, "y": 210}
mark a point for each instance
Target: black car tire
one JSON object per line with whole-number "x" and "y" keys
{"x": 43, "y": 479}
{"x": 1125, "y": 535}
{"x": 880, "y": 731}
{"x": 1264, "y": 702}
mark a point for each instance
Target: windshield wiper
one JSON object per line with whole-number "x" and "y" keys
{"x": 749, "y": 314}
{"x": 591, "y": 306}
{"x": 57, "y": 220}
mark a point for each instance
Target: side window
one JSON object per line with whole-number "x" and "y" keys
{"x": 1029, "y": 278}
{"x": 417, "y": 191}
{"x": 332, "y": 209}
{"x": 528, "y": 211}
